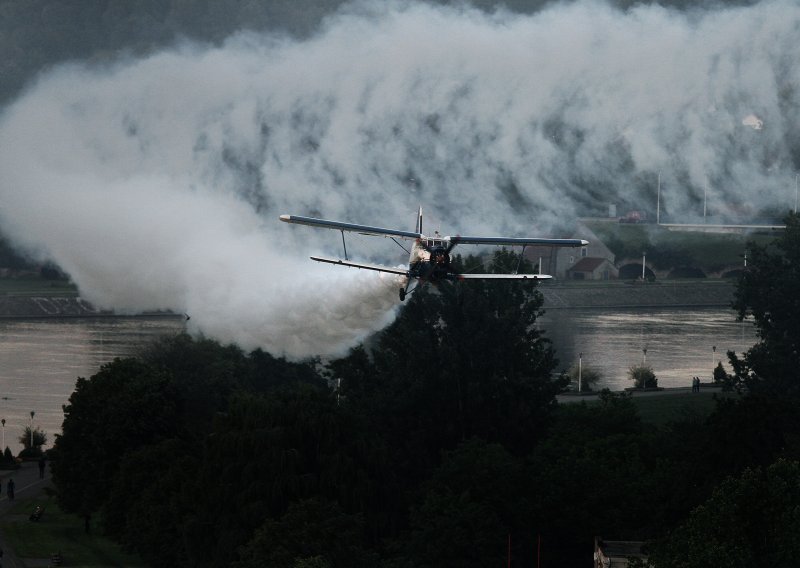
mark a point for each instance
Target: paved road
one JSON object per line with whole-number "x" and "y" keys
{"x": 27, "y": 484}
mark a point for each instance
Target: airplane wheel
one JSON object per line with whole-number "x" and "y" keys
{"x": 402, "y": 294}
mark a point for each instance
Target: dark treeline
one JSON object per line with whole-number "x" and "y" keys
{"x": 441, "y": 440}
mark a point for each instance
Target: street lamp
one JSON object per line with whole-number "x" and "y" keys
{"x": 3, "y": 422}
{"x": 32, "y": 413}
{"x": 644, "y": 258}
{"x": 580, "y": 365}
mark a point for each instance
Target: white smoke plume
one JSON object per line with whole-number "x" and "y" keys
{"x": 157, "y": 182}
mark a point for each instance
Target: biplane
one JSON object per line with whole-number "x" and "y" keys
{"x": 429, "y": 258}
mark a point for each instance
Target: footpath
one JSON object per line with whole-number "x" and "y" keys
{"x": 27, "y": 485}
{"x": 666, "y": 391}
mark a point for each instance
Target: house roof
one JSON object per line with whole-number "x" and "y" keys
{"x": 588, "y": 264}
{"x": 621, "y": 548}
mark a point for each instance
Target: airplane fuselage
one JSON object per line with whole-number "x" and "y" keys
{"x": 429, "y": 260}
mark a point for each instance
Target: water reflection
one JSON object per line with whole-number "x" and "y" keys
{"x": 679, "y": 342}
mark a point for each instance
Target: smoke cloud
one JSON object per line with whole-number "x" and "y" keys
{"x": 157, "y": 182}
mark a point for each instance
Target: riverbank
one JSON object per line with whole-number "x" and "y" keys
{"x": 15, "y": 306}
{"x": 40, "y": 302}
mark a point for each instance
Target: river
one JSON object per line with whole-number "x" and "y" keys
{"x": 40, "y": 359}
{"x": 681, "y": 342}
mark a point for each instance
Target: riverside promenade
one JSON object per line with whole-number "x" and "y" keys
{"x": 27, "y": 485}
{"x": 568, "y": 397}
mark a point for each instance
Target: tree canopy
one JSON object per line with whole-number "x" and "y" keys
{"x": 441, "y": 444}
{"x": 767, "y": 293}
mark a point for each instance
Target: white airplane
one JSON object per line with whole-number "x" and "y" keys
{"x": 429, "y": 258}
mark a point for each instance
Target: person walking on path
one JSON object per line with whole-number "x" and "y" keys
{"x": 28, "y": 484}
{"x": 10, "y": 489}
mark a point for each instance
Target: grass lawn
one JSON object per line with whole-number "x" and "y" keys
{"x": 58, "y": 531}
{"x": 661, "y": 409}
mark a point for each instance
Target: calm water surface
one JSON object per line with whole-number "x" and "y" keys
{"x": 41, "y": 359}
{"x": 679, "y": 342}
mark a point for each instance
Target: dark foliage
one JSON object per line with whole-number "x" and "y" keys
{"x": 767, "y": 292}
{"x": 751, "y": 520}
{"x": 442, "y": 440}
{"x": 127, "y": 405}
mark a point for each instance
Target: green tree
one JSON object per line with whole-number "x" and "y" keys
{"x": 39, "y": 438}
{"x": 593, "y": 475}
{"x": 586, "y": 376}
{"x": 270, "y": 451}
{"x": 461, "y": 360}
{"x": 720, "y": 376}
{"x": 469, "y": 506}
{"x": 767, "y": 293}
{"x": 150, "y": 498}
{"x": 124, "y": 406}
{"x": 750, "y": 520}
{"x": 642, "y": 376}
{"x": 312, "y": 533}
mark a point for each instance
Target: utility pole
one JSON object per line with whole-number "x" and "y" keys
{"x": 658, "y": 201}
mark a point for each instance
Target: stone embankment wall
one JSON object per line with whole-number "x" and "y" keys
{"x": 700, "y": 293}
{"x": 47, "y": 306}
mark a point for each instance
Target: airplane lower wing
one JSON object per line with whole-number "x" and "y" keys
{"x": 503, "y": 277}
{"x": 365, "y": 266}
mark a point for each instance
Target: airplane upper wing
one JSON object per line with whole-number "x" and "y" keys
{"x": 503, "y": 277}
{"x": 364, "y": 265}
{"x": 515, "y": 241}
{"x": 352, "y": 227}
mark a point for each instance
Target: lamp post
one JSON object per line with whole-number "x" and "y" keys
{"x": 3, "y": 422}
{"x": 32, "y": 413}
{"x": 658, "y": 201}
{"x": 644, "y": 259}
{"x": 580, "y": 370}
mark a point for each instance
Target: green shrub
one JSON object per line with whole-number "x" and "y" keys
{"x": 642, "y": 376}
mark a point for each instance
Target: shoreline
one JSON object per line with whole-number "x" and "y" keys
{"x": 557, "y": 295}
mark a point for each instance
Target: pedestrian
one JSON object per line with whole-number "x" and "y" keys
{"x": 41, "y": 467}
{"x": 10, "y": 489}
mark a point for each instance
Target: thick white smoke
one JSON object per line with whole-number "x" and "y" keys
{"x": 157, "y": 182}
